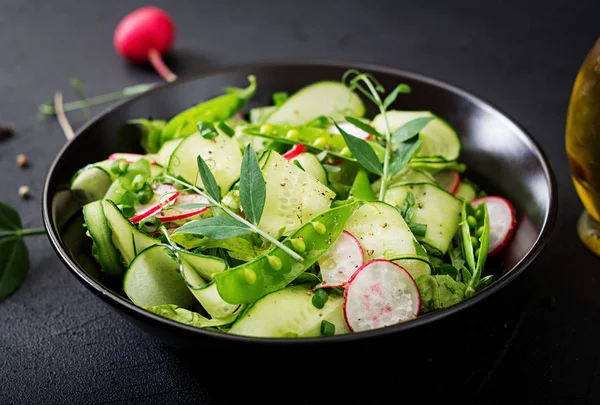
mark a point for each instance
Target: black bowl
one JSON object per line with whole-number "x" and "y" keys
{"x": 499, "y": 155}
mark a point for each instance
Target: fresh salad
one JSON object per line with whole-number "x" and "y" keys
{"x": 297, "y": 219}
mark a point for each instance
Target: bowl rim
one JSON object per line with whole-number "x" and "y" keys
{"x": 131, "y": 309}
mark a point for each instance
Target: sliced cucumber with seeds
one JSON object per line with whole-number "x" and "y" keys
{"x": 327, "y": 98}
{"x": 311, "y": 165}
{"x": 294, "y": 197}
{"x": 154, "y": 278}
{"x": 406, "y": 176}
{"x": 290, "y": 313}
{"x": 382, "y": 232}
{"x": 125, "y": 236}
{"x": 103, "y": 249}
{"x": 205, "y": 266}
{"x": 434, "y": 207}
{"x": 438, "y": 138}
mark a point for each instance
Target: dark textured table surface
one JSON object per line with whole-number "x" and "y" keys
{"x": 60, "y": 344}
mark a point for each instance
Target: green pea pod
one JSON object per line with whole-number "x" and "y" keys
{"x": 361, "y": 187}
{"x": 217, "y": 109}
{"x": 246, "y": 283}
{"x": 435, "y": 164}
{"x": 312, "y": 137}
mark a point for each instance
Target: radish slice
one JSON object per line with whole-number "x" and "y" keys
{"x": 340, "y": 261}
{"x": 164, "y": 194}
{"x": 380, "y": 293}
{"x": 448, "y": 180}
{"x": 130, "y": 157}
{"x": 174, "y": 213}
{"x": 502, "y": 221}
{"x": 351, "y": 129}
{"x": 295, "y": 151}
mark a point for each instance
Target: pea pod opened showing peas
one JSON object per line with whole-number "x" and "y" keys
{"x": 300, "y": 218}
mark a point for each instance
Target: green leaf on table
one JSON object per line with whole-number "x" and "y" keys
{"x": 401, "y": 88}
{"x": 410, "y": 130}
{"x": 253, "y": 191}
{"x": 14, "y": 265}
{"x": 362, "y": 151}
{"x": 207, "y": 130}
{"x": 208, "y": 180}
{"x": 364, "y": 126}
{"x": 403, "y": 154}
{"x": 215, "y": 228}
{"x": 9, "y": 218}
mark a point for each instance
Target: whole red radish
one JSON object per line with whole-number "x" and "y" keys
{"x": 144, "y": 35}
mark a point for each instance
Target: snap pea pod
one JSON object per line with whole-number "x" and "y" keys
{"x": 361, "y": 187}
{"x": 220, "y": 108}
{"x": 435, "y": 164}
{"x": 246, "y": 283}
{"x": 312, "y": 137}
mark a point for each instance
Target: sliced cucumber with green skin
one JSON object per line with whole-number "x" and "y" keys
{"x": 382, "y": 232}
{"x": 438, "y": 138}
{"x": 294, "y": 197}
{"x": 259, "y": 114}
{"x": 103, "y": 249}
{"x": 205, "y": 266}
{"x": 465, "y": 191}
{"x": 406, "y": 176}
{"x": 327, "y": 98}
{"x": 163, "y": 156}
{"x": 91, "y": 184}
{"x": 154, "y": 278}
{"x": 290, "y": 312}
{"x": 222, "y": 154}
{"x": 434, "y": 207}
{"x": 311, "y": 165}
{"x": 125, "y": 236}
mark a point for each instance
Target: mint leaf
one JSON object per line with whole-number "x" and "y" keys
{"x": 253, "y": 191}
{"x": 215, "y": 228}
{"x": 364, "y": 126}
{"x": 208, "y": 180}
{"x": 410, "y": 130}
{"x": 401, "y": 88}
{"x": 362, "y": 151}
{"x": 14, "y": 265}
{"x": 403, "y": 154}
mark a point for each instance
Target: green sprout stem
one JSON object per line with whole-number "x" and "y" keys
{"x": 23, "y": 232}
{"x": 254, "y": 228}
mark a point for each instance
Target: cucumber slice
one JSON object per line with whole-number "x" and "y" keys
{"x": 205, "y": 266}
{"x": 222, "y": 153}
{"x": 434, "y": 207}
{"x": 259, "y": 114}
{"x": 311, "y": 165}
{"x": 406, "y": 176}
{"x": 327, "y": 98}
{"x": 154, "y": 278}
{"x": 293, "y": 196}
{"x": 90, "y": 184}
{"x": 290, "y": 312}
{"x": 163, "y": 156}
{"x": 465, "y": 191}
{"x": 382, "y": 232}
{"x": 438, "y": 137}
{"x": 125, "y": 236}
{"x": 103, "y": 249}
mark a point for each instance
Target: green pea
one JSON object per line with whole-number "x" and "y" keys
{"x": 249, "y": 276}
{"x": 298, "y": 245}
{"x": 266, "y": 129}
{"x": 292, "y": 134}
{"x": 320, "y": 142}
{"x": 319, "y": 227}
{"x": 479, "y": 213}
{"x": 477, "y": 253}
{"x": 472, "y": 222}
{"x": 274, "y": 262}
{"x": 474, "y": 242}
{"x": 479, "y": 232}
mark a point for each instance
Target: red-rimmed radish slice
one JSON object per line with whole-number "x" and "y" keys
{"x": 130, "y": 157}
{"x": 380, "y": 293}
{"x": 448, "y": 180}
{"x": 502, "y": 221}
{"x": 174, "y": 213}
{"x": 351, "y": 129}
{"x": 340, "y": 261}
{"x": 295, "y": 151}
{"x": 164, "y": 194}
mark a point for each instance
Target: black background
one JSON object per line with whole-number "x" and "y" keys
{"x": 59, "y": 344}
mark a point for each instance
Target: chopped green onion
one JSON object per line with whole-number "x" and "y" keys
{"x": 320, "y": 298}
{"x": 149, "y": 225}
{"x": 226, "y": 129}
{"x": 127, "y": 210}
{"x": 119, "y": 166}
{"x": 327, "y": 328}
{"x": 146, "y": 194}
{"x": 138, "y": 182}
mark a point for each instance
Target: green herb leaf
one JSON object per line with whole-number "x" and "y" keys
{"x": 364, "y": 126}
{"x": 484, "y": 282}
{"x": 207, "y": 130}
{"x": 215, "y": 228}
{"x": 208, "y": 180}
{"x": 403, "y": 154}
{"x": 280, "y": 97}
{"x": 227, "y": 130}
{"x": 253, "y": 190}
{"x": 410, "y": 130}
{"x": 362, "y": 151}
{"x": 9, "y": 218}
{"x": 401, "y": 88}
{"x": 14, "y": 265}
{"x": 298, "y": 165}
{"x": 419, "y": 230}
{"x": 450, "y": 270}
{"x": 438, "y": 292}
{"x": 419, "y": 249}
{"x": 407, "y": 210}
{"x": 456, "y": 257}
